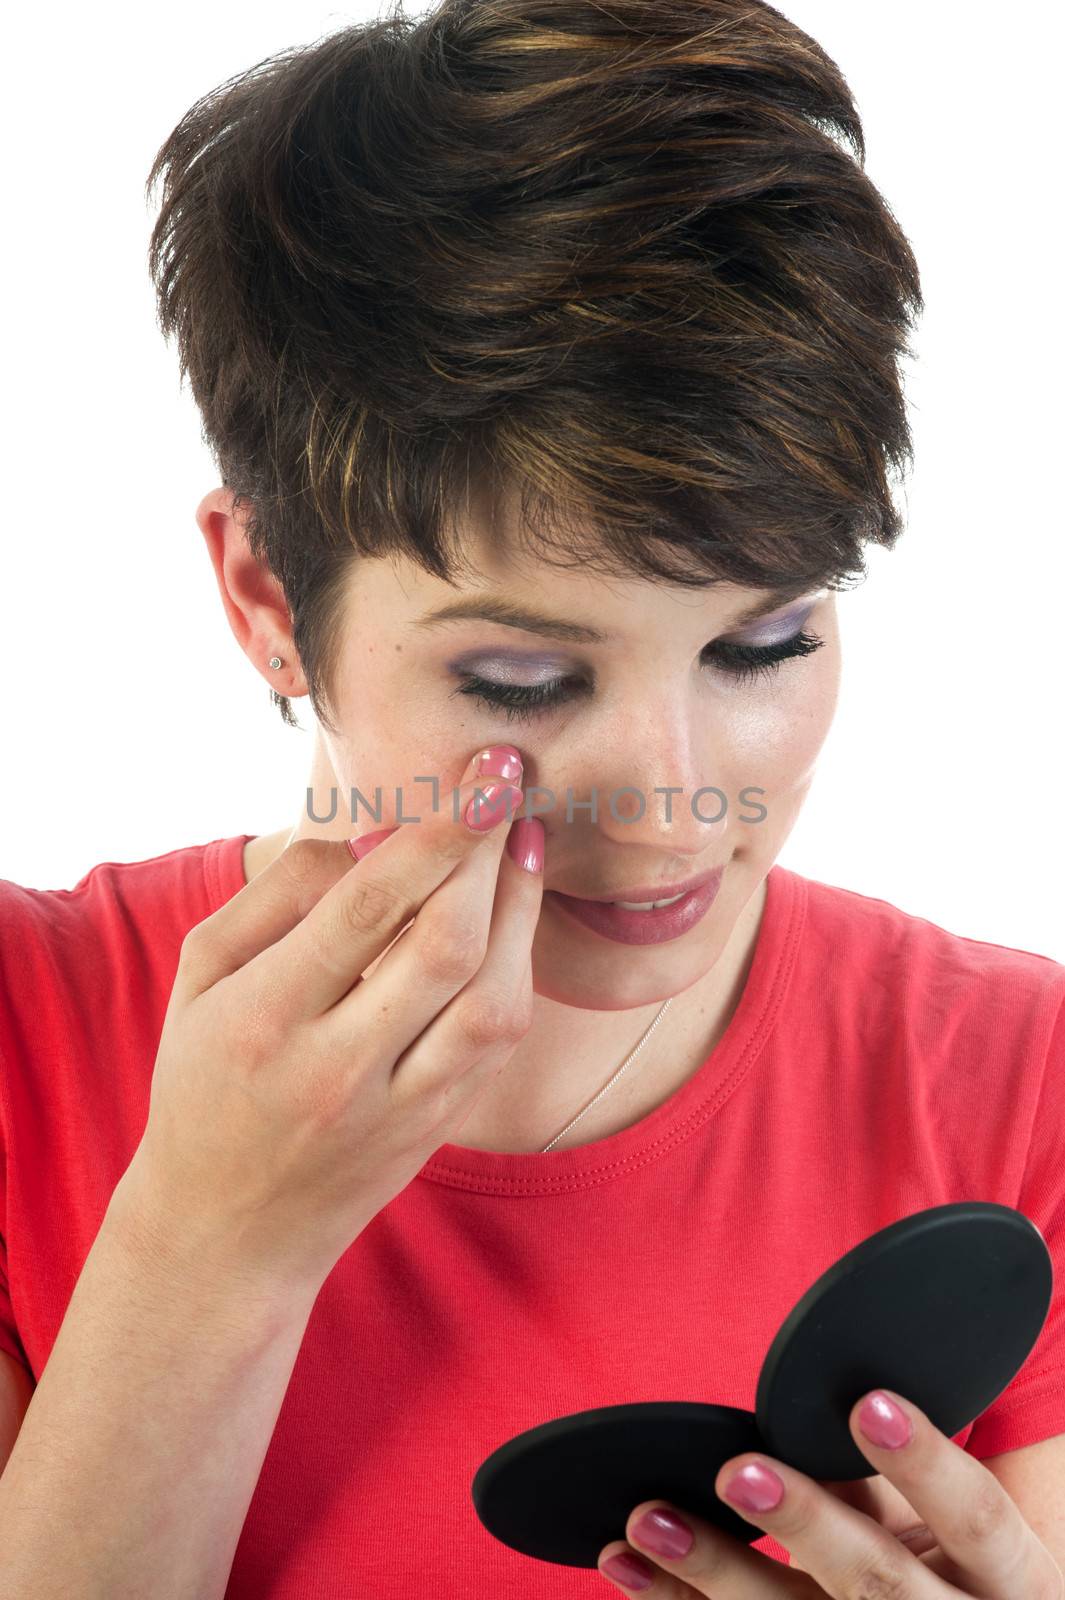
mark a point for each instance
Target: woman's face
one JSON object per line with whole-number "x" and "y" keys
{"x": 653, "y": 704}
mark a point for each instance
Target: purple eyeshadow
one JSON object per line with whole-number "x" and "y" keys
{"x": 505, "y": 666}
{"x": 782, "y": 627}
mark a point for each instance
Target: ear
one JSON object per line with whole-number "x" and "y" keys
{"x": 252, "y": 596}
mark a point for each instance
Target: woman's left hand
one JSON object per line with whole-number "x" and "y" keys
{"x": 980, "y": 1546}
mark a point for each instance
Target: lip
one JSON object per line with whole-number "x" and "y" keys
{"x": 641, "y": 927}
{"x": 649, "y": 891}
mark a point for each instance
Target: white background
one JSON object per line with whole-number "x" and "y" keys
{"x": 135, "y": 725}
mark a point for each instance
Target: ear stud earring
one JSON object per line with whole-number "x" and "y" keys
{"x": 275, "y": 661}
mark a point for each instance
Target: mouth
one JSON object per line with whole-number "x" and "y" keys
{"x": 644, "y": 919}
{"x": 646, "y": 896}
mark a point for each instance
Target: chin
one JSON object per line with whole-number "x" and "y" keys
{"x": 615, "y": 992}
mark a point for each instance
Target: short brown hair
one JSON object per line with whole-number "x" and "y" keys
{"x": 614, "y": 256}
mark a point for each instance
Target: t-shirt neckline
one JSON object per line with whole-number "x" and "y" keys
{"x": 679, "y": 1117}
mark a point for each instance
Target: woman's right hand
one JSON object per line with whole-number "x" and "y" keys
{"x": 294, "y": 1095}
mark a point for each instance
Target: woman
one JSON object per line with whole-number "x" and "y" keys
{"x": 549, "y": 354}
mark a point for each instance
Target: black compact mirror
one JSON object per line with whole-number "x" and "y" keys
{"x": 943, "y": 1306}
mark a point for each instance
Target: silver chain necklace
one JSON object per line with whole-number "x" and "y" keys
{"x": 614, "y": 1079}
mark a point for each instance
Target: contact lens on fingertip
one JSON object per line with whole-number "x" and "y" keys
{"x": 499, "y": 761}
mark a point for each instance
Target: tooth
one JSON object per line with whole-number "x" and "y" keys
{"x": 646, "y": 905}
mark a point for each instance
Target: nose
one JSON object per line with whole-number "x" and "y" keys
{"x": 676, "y": 819}
{"x": 656, "y": 790}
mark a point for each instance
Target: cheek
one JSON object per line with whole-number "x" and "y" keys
{"x": 774, "y": 739}
{"x": 392, "y": 733}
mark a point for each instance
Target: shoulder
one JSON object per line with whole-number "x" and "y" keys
{"x": 113, "y": 938}
{"x": 950, "y": 1023}
{"x": 179, "y": 887}
{"x": 881, "y": 948}
{"x": 963, "y": 1038}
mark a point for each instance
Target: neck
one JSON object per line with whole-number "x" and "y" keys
{"x": 568, "y": 1055}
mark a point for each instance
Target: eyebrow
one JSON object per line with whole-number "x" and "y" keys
{"x": 497, "y": 608}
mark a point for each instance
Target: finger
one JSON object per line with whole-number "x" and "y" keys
{"x": 301, "y": 948}
{"x": 881, "y": 1500}
{"x": 475, "y": 929}
{"x": 979, "y": 1528}
{"x": 479, "y": 1028}
{"x": 634, "y": 1574}
{"x": 843, "y": 1551}
{"x": 324, "y": 957}
{"x": 713, "y": 1563}
{"x": 261, "y": 912}
{"x": 443, "y": 949}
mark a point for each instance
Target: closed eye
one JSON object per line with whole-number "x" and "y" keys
{"x": 742, "y": 662}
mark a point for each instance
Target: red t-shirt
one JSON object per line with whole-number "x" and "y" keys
{"x": 876, "y": 1065}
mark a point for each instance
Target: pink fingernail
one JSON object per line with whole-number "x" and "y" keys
{"x": 491, "y": 804}
{"x": 754, "y": 1488}
{"x": 368, "y": 841}
{"x": 883, "y": 1422}
{"x": 664, "y": 1534}
{"x": 629, "y": 1570}
{"x": 525, "y": 843}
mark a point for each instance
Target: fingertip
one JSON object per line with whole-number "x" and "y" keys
{"x": 525, "y": 844}
{"x": 884, "y": 1420}
{"x": 489, "y": 804}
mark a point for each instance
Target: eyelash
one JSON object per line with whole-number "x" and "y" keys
{"x": 744, "y": 662}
